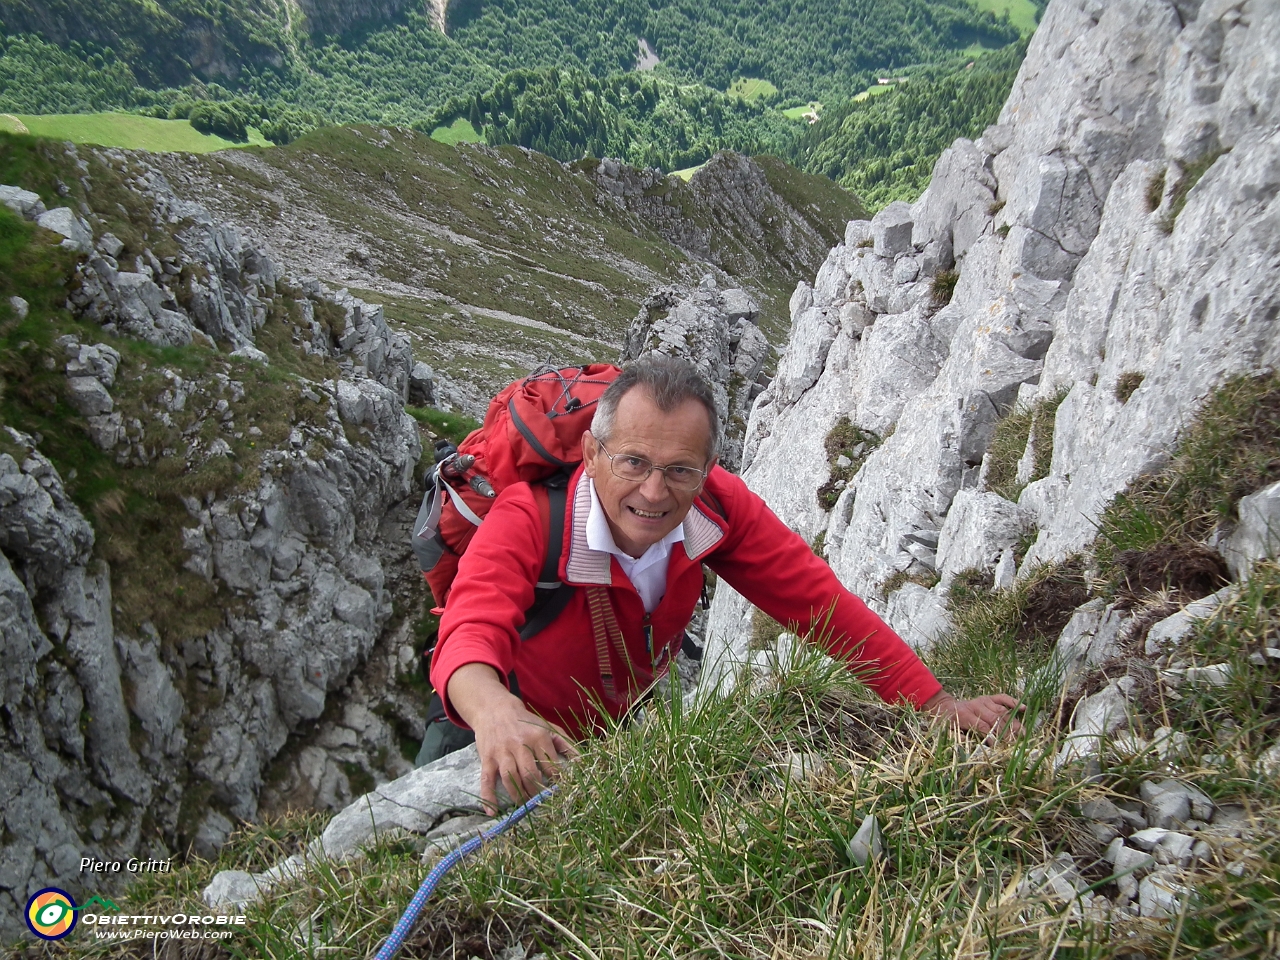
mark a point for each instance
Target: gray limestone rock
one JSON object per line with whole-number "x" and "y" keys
{"x": 89, "y": 396}
{"x": 1094, "y": 719}
{"x": 1088, "y": 284}
{"x": 891, "y": 229}
{"x": 715, "y": 330}
{"x": 22, "y": 202}
{"x": 1257, "y": 535}
{"x": 918, "y": 615}
{"x": 978, "y": 529}
{"x": 416, "y": 802}
{"x": 63, "y": 220}
{"x": 1161, "y": 895}
{"x": 955, "y": 209}
{"x": 421, "y": 385}
{"x": 868, "y": 843}
{"x": 1171, "y": 631}
{"x": 1090, "y": 638}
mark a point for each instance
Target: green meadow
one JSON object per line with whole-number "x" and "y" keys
{"x": 751, "y": 88}
{"x": 125, "y": 130}
{"x": 1022, "y": 13}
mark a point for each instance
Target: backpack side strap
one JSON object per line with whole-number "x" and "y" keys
{"x": 551, "y": 595}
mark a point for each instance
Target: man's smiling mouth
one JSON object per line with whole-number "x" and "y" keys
{"x": 648, "y": 514}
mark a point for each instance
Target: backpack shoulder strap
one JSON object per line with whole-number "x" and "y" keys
{"x": 551, "y": 595}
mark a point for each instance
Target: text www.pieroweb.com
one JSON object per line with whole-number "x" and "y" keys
{"x": 178, "y": 927}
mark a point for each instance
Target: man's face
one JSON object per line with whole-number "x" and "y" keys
{"x": 641, "y": 514}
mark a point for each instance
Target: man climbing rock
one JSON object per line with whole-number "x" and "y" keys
{"x": 645, "y": 510}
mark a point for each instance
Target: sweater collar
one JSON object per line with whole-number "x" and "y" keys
{"x": 584, "y": 565}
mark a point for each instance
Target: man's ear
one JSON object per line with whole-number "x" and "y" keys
{"x": 589, "y": 449}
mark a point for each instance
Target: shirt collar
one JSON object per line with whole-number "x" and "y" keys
{"x": 600, "y": 537}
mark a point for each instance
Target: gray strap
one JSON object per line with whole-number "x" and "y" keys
{"x": 461, "y": 505}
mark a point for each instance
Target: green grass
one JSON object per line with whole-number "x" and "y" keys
{"x": 752, "y": 88}
{"x": 685, "y": 834}
{"x": 460, "y": 131}
{"x": 853, "y": 443}
{"x": 1231, "y": 450}
{"x": 1021, "y": 13}
{"x": 811, "y": 109}
{"x": 125, "y": 130}
{"x": 877, "y": 90}
{"x": 450, "y": 426}
{"x": 687, "y": 173}
{"x": 1009, "y": 443}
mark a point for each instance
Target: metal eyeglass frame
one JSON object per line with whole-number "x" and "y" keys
{"x": 702, "y": 474}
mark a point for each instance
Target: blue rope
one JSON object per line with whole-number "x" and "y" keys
{"x": 404, "y": 926}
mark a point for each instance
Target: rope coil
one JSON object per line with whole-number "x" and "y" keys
{"x": 404, "y": 926}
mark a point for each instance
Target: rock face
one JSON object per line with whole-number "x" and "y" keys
{"x": 734, "y": 192}
{"x": 1121, "y": 219}
{"x": 124, "y": 743}
{"x": 715, "y": 330}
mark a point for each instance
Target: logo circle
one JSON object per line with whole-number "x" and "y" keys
{"x": 51, "y": 914}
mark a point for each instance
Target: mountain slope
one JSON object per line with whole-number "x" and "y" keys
{"x": 550, "y": 260}
{"x": 389, "y": 62}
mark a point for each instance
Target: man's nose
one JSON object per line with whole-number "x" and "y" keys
{"x": 654, "y": 487}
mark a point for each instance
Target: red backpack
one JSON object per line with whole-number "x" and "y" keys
{"x": 532, "y": 432}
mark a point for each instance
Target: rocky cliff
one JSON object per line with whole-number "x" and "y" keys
{"x": 1108, "y": 250}
{"x": 268, "y": 414}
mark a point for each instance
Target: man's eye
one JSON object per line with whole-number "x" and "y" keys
{"x": 635, "y": 463}
{"x": 679, "y": 473}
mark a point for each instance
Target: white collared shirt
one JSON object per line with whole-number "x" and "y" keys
{"x": 648, "y": 572}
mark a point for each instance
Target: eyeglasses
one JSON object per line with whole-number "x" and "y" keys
{"x": 629, "y": 467}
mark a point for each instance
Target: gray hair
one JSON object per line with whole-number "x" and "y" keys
{"x": 670, "y": 382}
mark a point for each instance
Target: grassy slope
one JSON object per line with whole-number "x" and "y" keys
{"x": 460, "y": 238}
{"x": 136, "y": 511}
{"x": 686, "y": 836}
{"x": 751, "y": 88}
{"x": 129, "y": 131}
{"x": 460, "y": 131}
{"x": 1021, "y": 13}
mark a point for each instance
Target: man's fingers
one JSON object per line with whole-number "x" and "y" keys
{"x": 564, "y": 746}
{"x": 488, "y": 788}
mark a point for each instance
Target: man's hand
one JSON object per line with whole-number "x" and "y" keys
{"x": 995, "y": 714}
{"x": 516, "y": 746}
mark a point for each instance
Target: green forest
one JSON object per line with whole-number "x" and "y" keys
{"x": 883, "y": 148}
{"x": 540, "y": 73}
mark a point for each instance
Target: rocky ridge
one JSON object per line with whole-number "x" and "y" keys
{"x": 121, "y": 741}
{"x": 1041, "y": 265}
{"x": 1105, "y": 255}
{"x": 715, "y": 330}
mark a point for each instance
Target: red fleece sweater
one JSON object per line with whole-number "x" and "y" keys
{"x": 557, "y": 670}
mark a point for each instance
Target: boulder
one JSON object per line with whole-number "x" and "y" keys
{"x": 22, "y": 202}
{"x": 978, "y": 529}
{"x": 64, "y": 221}
{"x": 421, "y": 385}
{"x": 89, "y": 396}
{"x": 1257, "y": 535}
{"x": 891, "y": 229}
